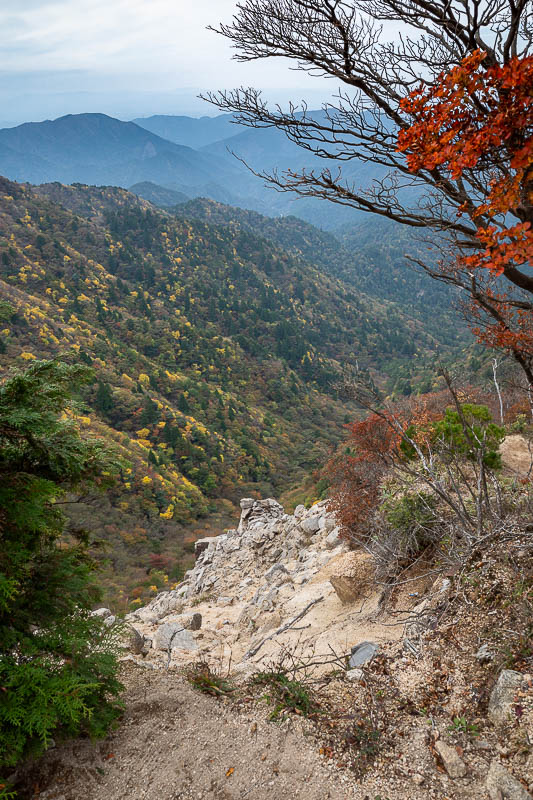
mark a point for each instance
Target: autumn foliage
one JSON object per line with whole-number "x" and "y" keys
{"x": 356, "y": 473}
{"x": 475, "y": 125}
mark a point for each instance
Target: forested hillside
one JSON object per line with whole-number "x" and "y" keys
{"x": 216, "y": 355}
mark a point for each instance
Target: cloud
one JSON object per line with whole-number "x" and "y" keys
{"x": 164, "y": 38}
{"x": 65, "y": 50}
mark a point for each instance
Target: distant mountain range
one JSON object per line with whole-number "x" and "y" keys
{"x": 190, "y": 131}
{"x": 193, "y": 157}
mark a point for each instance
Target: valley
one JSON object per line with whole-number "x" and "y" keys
{"x": 219, "y": 343}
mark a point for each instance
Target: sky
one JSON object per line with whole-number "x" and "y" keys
{"x": 127, "y": 58}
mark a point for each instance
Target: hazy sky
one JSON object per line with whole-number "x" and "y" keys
{"x": 126, "y": 58}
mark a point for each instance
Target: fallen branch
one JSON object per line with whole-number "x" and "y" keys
{"x": 252, "y": 652}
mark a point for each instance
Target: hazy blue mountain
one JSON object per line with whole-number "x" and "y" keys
{"x": 97, "y": 149}
{"x": 189, "y": 131}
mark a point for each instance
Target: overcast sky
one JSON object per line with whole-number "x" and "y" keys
{"x": 126, "y": 58}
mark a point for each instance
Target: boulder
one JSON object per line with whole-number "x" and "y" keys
{"x": 351, "y": 575}
{"x": 183, "y": 640}
{"x": 135, "y": 641}
{"x": 311, "y": 524}
{"x": 501, "y": 785}
{"x": 101, "y": 612}
{"x": 453, "y": 763}
{"x": 173, "y": 636}
{"x": 330, "y": 523}
{"x": 333, "y": 539}
{"x": 257, "y": 513}
{"x": 502, "y": 696}
{"x": 165, "y": 633}
{"x": 362, "y": 653}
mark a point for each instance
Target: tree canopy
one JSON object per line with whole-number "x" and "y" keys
{"x": 57, "y": 661}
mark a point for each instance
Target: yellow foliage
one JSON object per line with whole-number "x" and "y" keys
{"x": 169, "y": 513}
{"x": 27, "y": 356}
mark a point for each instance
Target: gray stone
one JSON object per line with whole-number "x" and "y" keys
{"x": 299, "y": 511}
{"x": 277, "y": 574}
{"x": 502, "y": 786}
{"x": 135, "y": 641}
{"x": 333, "y": 539}
{"x": 101, "y": 612}
{"x": 330, "y": 523}
{"x": 183, "y": 640}
{"x": 224, "y": 601}
{"x": 108, "y": 621}
{"x": 311, "y": 524}
{"x": 453, "y": 763}
{"x": 361, "y": 653}
{"x": 196, "y": 621}
{"x": 503, "y": 694}
{"x": 165, "y": 634}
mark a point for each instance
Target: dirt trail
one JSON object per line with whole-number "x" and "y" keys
{"x": 177, "y": 744}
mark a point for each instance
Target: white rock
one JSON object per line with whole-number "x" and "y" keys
{"x": 502, "y": 696}
{"x": 310, "y": 524}
{"x": 453, "y": 763}
{"x": 101, "y": 612}
{"x": 502, "y": 786}
{"x": 333, "y": 538}
{"x": 355, "y": 674}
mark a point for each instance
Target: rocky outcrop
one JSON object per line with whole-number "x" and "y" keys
{"x": 246, "y": 581}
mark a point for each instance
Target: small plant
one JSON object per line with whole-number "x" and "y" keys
{"x": 286, "y": 694}
{"x": 6, "y": 793}
{"x": 461, "y": 725}
{"x": 206, "y": 680}
{"x": 202, "y": 598}
{"x": 365, "y": 737}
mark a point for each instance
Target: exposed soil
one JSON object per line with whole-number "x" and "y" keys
{"x": 177, "y": 744}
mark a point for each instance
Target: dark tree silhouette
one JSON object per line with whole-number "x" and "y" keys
{"x": 345, "y": 40}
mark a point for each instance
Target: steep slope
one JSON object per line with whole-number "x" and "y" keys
{"x": 369, "y": 257}
{"x": 216, "y": 355}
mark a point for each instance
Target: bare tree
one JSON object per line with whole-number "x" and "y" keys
{"x": 344, "y": 40}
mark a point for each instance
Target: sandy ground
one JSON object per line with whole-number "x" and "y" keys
{"x": 178, "y": 744}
